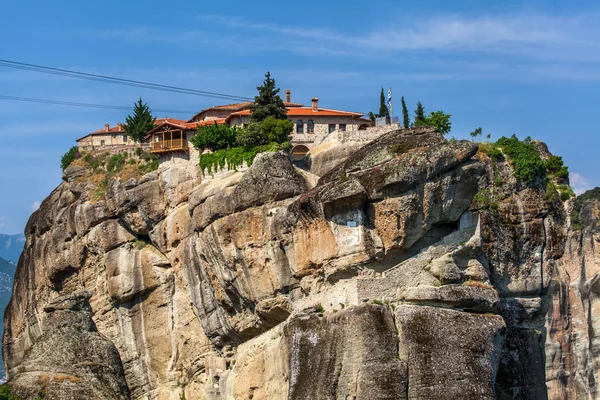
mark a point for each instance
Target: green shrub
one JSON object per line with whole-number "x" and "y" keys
{"x": 215, "y": 137}
{"x": 69, "y": 157}
{"x": 270, "y": 130}
{"x": 565, "y": 192}
{"x": 555, "y": 166}
{"x": 100, "y": 190}
{"x": 496, "y": 154}
{"x": 526, "y": 162}
{"x": 400, "y": 148}
{"x": 378, "y": 302}
{"x": 319, "y": 308}
{"x": 482, "y": 199}
{"x": 551, "y": 194}
{"x": 115, "y": 162}
{"x": 151, "y": 163}
{"x": 6, "y": 393}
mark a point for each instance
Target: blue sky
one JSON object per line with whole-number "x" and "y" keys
{"x": 526, "y": 67}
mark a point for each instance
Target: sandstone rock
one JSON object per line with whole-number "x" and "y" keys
{"x": 443, "y": 364}
{"x": 71, "y": 360}
{"x": 267, "y": 284}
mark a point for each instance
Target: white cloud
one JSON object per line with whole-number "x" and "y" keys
{"x": 579, "y": 183}
{"x": 35, "y": 205}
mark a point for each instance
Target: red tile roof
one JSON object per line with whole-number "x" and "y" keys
{"x": 306, "y": 112}
{"x": 118, "y": 129}
{"x": 239, "y": 106}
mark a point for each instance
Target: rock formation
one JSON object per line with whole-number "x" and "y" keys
{"x": 573, "y": 326}
{"x": 410, "y": 267}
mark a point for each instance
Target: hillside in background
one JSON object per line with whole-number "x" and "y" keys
{"x": 7, "y": 272}
{"x": 11, "y": 246}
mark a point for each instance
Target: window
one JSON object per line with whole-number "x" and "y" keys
{"x": 299, "y": 126}
{"x": 343, "y": 127}
{"x": 102, "y": 143}
{"x": 124, "y": 138}
{"x": 310, "y": 126}
{"x": 331, "y": 128}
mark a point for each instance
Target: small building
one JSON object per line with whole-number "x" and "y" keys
{"x": 171, "y": 136}
{"x": 111, "y": 137}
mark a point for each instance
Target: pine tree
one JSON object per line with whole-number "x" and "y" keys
{"x": 268, "y": 103}
{"x": 419, "y": 115}
{"x": 140, "y": 122}
{"x": 383, "y": 109}
{"x": 405, "y": 117}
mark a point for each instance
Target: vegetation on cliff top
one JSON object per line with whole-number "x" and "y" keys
{"x": 140, "y": 122}
{"x": 590, "y": 195}
{"x": 268, "y": 130}
{"x": 6, "y": 393}
{"x": 69, "y": 157}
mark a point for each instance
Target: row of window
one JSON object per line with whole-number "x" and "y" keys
{"x": 125, "y": 138}
{"x": 310, "y": 127}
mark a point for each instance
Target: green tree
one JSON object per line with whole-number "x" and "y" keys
{"x": 383, "y": 109}
{"x": 477, "y": 132}
{"x": 68, "y": 157}
{"x": 268, "y": 103}
{"x": 271, "y": 130}
{"x": 405, "y": 116}
{"x": 419, "y": 115}
{"x": 140, "y": 122}
{"x": 215, "y": 137}
{"x": 440, "y": 120}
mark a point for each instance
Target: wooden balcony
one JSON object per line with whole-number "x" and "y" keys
{"x": 164, "y": 146}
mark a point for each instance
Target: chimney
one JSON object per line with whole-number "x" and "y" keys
{"x": 288, "y": 96}
{"x": 315, "y": 104}
{"x": 120, "y": 127}
{"x": 107, "y": 127}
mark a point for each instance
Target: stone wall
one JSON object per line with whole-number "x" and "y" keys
{"x": 102, "y": 140}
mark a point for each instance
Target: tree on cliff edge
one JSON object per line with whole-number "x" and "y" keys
{"x": 405, "y": 117}
{"x": 419, "y": 115}
{"x": 140, "y": 122}
{"x": 383, "y": 108}
{"x": 268, "y": 103}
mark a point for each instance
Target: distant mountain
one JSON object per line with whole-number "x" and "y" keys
{"x": 11, "y": 246}
{"x": 7, "y": 272}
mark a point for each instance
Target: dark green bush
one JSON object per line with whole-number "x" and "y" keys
{"x": 496, "y": 154}
{"x": 556, "y": 167}
{"x": 69, "y": 157}
{"x": 115, "y": 162}
{"x": 215, "y": 137}
{"x": 551, "y": 194}
{"x": 6, "y": 394}
{"x": 270, "y": 130}
{"x": 526, "y": 162}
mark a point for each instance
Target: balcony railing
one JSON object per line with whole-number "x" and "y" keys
{"x": 169, "y": 145}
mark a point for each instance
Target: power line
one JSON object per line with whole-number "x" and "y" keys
{"x": 117, "y": 81}
{"x": 88, "y": 105}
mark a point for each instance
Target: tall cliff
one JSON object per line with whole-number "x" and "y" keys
{"x": 573, "y": 344}
{"x": 410, "y": 267}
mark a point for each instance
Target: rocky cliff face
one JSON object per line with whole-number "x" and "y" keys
{"x": 573, "y": 346}
{"x": 410, "y": 268}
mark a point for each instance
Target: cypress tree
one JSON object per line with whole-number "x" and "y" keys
{"x": 268, "y": 103}
{"x": 383, "y": 109}
{"x": 419, "y": 115}
{"x": 140, "y": 122}
{"x": 405, "y": 117}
